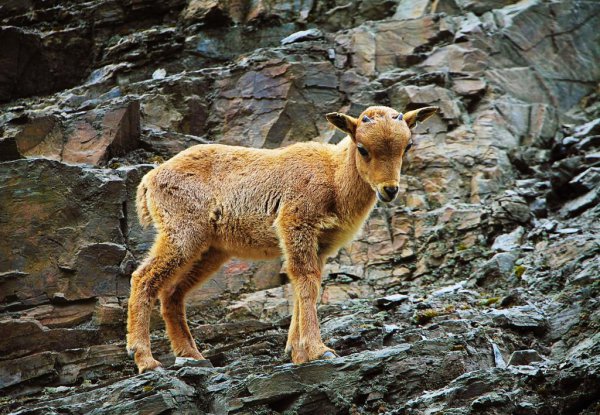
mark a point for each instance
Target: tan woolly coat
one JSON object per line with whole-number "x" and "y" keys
{"x": 233, "y": 196}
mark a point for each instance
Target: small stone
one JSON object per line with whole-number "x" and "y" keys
{"x": 567, "y": 141}
{"x": 587, "y": 276}
{"x": 498, "y": 359}
{"x": 109, "y": 312}
{"x": 548, "y": 224}
{"x": 469, "y": 86}
{"x": 390, "y": 328}
{"x": 58, "y": 389}
{"x": 500, "y": 265}
{"x": 592, "y": 158}
{"x": 302, "y": 36}
{"x": 567, "y": 231}
{"x": 449, "y": 289}
{"x": 588, "y": 142}
{"x": 189, "y": 362}
{"x": 391, "y": 301}
{"x": 510, "y": 241}
{"x": 411, "y": 9}
{"x": 159, "y": 74}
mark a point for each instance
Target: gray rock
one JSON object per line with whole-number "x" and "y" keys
{"x": 511, "y": 208}
{"x": 391, "y": 300}
{"x": 588, "y": 179}
{"x": 159, "y": 74}
{"x": 588, "y": 143}
{"x": 524, "y": 357}
{"x": 153, "y": 392}
{"x": 592, "y": 158}
{"x": 503, "y": 263}
{"x": 581, "y": 203}
{"x": 509, "y": 241}
{"x": 78, "y": 216}
{"x": 33, "y": 64}
{"x": 589, "y": 128}
{"x": 302, "y": 36}
{"x": 187, "y": 362}
{"x": 567, "y": 231}
{"x": 498, "y": 152}
{"x": 520, "y": 318}
{"x": 498, "y": 359}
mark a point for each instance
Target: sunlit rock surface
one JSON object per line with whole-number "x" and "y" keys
{"x": 476, "y": 291}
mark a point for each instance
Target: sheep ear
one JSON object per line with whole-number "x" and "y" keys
{"x": 419, "y": 115}
{"x": 343, "y": 122}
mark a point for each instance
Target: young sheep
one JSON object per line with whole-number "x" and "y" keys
{"x": 305, "y": 201}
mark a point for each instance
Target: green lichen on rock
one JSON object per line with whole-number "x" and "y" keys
{"x": 519, "y": 270}
{"x": 486, "y": 302}
{"x": 422, "y": 317}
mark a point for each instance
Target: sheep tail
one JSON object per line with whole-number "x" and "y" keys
{"x": 142, "y": 203}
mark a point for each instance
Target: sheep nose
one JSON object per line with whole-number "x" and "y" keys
{"x": 390, "y": 191}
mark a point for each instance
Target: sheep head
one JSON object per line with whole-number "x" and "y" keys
{"x": 380, "y": 138}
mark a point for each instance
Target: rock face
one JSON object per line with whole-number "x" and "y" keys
{"x": 476, "y": 291}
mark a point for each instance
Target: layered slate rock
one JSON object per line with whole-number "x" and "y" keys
{"x": 76, "y": 213}
{"x": 476, "y": 291}
{"x": 34, "y": 64}
{"x": 92, "y": 137}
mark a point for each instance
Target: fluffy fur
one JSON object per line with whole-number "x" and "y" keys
{"x": 305, "y": 201}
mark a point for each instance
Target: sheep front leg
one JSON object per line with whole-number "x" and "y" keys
{"x": 293, "y": 333}
{"x": 310, "y": 345}
{"x": 304, "y": 269}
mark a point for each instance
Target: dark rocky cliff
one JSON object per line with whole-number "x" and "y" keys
{"x": 475, "y": 292}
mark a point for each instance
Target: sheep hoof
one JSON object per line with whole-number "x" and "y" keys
{"x": 328, "y": 355}
{"x": 150, "y": 365}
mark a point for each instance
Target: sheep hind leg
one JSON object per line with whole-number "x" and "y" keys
{"x": 164, "y": 264}
{"x": 173, "y": 303}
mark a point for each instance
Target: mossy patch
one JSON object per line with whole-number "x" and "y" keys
{"x": 486, "y": 302}
{"x": 519, "y": 271}
{"x": 424, "y": 316}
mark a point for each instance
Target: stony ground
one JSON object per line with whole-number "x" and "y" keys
{"x": 477, "y": 291}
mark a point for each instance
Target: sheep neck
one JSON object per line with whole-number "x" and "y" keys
{"x": 356, "y": 197}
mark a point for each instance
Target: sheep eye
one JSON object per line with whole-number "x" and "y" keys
{"x": 399, "y": 117}
{"x": 366, "y": 119}
{"x": 408, "y": 146}
{"x": 363, "y": 151}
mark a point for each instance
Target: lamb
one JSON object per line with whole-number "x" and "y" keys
{"x": 305, "y": 201}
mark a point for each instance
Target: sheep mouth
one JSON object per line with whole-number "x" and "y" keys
{"x": 383, "y": 198}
